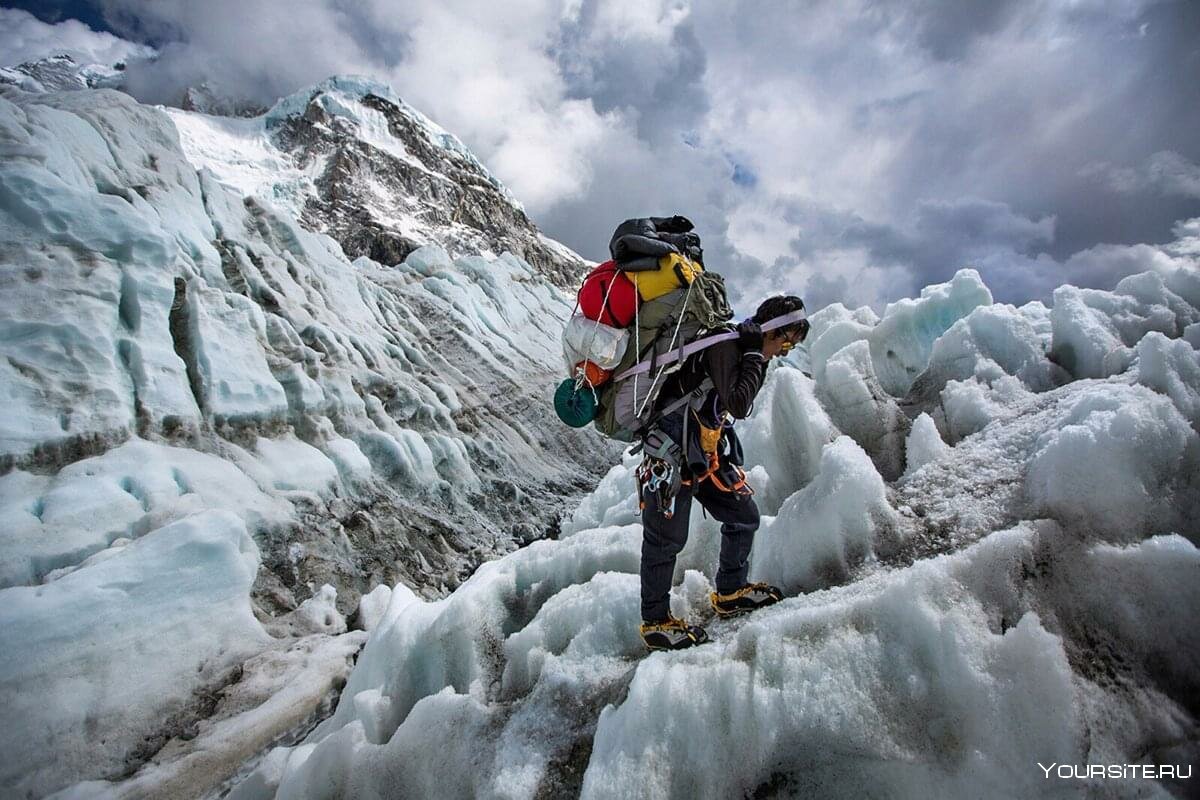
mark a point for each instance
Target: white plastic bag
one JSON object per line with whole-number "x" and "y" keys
{"x": 588, "y": 340}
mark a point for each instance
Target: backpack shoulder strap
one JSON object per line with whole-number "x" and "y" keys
{"x": 695, "y": 394}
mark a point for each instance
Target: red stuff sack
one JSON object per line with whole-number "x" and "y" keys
{"x": 608, "y": 296}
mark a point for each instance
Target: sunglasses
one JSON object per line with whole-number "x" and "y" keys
{"x": 796, "y": 338}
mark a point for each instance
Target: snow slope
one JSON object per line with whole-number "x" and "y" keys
{"x": 211, "y": 413}
{"x": 1023, "y": 591}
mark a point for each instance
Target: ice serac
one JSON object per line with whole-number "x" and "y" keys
{"x": 153, "y": 301}
{"x": 96, "y": 663}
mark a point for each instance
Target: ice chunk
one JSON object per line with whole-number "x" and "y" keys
{"x": 1038, "y": 316}
{"x": 427, "y": 260}
{"x": 373, "y": 605}
{"x": 835, "y": 335}
{"x": 317, "y": 614}
{"x": 924, "y": 444}
{"x": 93, "y": 662}
{"x": 296, "y": 465}
{"x": 401, "y": 600}
{"x": 834, "y": 313}
{"x": 1191, "y": 335}
{"x": 997, "y": 335}
{"x": 612, "y": 502}
{"x": 1094, "y": 331}
{"x": 969, "y": 406}
{"x": 126, "y": 492}
{"x": 785, "y": 435}
{"x": 826, "y": 528}
{"x": 862, "y": 409}
{"x": 1154, "y": 293}
{"x": 421, "y": 647}
{"x": 279, "y": 689}
{"x": 1110, "y": 461}
{"x": 903, "y": 340}
{"x": 1171, "y": 368}
{"x": 595, "y": 619}
{"x": 236, "y": 381}
{"x": 349, "y": 459}
{"x": 1161, "y": 573}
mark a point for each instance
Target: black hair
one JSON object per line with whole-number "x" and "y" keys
{"x": 779, "y": 305}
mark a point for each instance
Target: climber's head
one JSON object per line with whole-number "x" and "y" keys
{"x": 781, "y": 340}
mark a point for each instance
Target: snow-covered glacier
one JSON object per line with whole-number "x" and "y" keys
{"x": 1022, "y": 592}
{"x": 267, "y": 506}
{"x": 212, "y": 413}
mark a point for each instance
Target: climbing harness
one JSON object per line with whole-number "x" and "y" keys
{"x": 659, "y": 473}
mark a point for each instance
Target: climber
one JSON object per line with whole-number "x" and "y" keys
{"x": 710, "y": 457}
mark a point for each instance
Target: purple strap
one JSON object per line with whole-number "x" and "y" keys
{"x": 691, "y": 348}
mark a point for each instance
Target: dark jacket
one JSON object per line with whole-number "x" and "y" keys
{"x": 737, "y": 376}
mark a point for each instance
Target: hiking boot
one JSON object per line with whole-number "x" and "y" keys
{"x": 745, "y": 599}
{"x": 672, "y": 634}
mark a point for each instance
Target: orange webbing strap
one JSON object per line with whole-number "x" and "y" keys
{"x": 740, "y": 486}
{"x": 713, "y": 465}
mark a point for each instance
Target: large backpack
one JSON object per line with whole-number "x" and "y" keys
{"x": 653, "y": 297}
{"x": 627, "y": 406}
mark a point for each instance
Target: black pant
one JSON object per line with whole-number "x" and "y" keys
{"x": 663, "y": 538}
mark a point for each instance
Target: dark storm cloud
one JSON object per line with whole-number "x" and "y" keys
{"x": 1036, "y": 92}
{"x": 1121, "y": 85}
{"x": 939, "y": 239}
{"x": 948, "y": 27}
{"x": 1165, "y": 173}
{"x": 659, "y": 82}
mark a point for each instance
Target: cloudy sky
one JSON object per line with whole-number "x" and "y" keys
{"x": 845, "y": 150}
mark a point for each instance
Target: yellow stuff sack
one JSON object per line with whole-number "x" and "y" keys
{"x": 674, "y": 271}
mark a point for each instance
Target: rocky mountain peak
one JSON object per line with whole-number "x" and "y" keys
{"x": 387, "y": 180}
{"x": 61, "y": 73}
{"x": 207, "y": 100}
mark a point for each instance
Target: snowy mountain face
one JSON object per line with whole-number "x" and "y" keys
{"x": 350, "y": 159}
{"x": 204, "y": 100}
{"x": 60, "y": 73}
{"x": 212, "y": 412}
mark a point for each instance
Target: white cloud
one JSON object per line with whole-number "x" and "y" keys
{"x": 1165, "y": 172}
{"x": 23, "y": 37}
